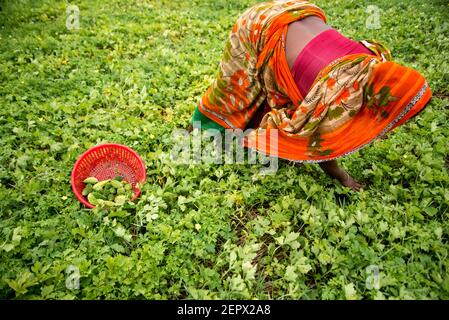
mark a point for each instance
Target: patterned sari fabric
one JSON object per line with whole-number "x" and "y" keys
{"x": 353, "y": 100}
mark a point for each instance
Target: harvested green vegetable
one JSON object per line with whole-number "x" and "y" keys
{"x": 92, "y": 199}
{"x": 91, "y": 180}
{"x": 116, "y": 184}
{"x": 107, "y": 193}
{"x": 99, "y": 185}
{"x": 87, "y": 190}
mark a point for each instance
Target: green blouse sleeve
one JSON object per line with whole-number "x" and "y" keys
{"x": 206, "y": 123}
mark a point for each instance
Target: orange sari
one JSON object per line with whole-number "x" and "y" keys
{"x": 353, "y": 101}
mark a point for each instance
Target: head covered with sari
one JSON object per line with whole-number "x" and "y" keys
{"x": 353, "y": 100}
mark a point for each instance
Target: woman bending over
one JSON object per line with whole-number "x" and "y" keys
{"x": 284, "y": 68}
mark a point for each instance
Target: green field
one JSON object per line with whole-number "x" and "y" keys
{"x": 131, "y": 74}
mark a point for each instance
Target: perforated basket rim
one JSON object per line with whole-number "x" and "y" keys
{"x": 93, "y": 149}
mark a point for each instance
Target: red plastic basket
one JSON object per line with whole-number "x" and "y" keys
{"x": 107, "y": 161}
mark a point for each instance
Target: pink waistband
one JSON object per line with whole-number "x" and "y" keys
{"x": 326, "y": 47}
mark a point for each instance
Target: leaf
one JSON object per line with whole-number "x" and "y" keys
{"x": 303, "y": 266}
{"x": 21, "y": 284}
{"x": 232, "y": 259}
{"x": 237, "y": 284}
{"x": 249, "y": 270}
{"x": 280, "y": 240}
{"x": 350, "y": 292}
{"x": 8, "y": 247}
{"x": 117, "y": 247}
{"x": 292, "y": 236}
{"x": 16, "y": 237}
{"x": 121, "y": 232}
{"x": 290, "y": 274}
